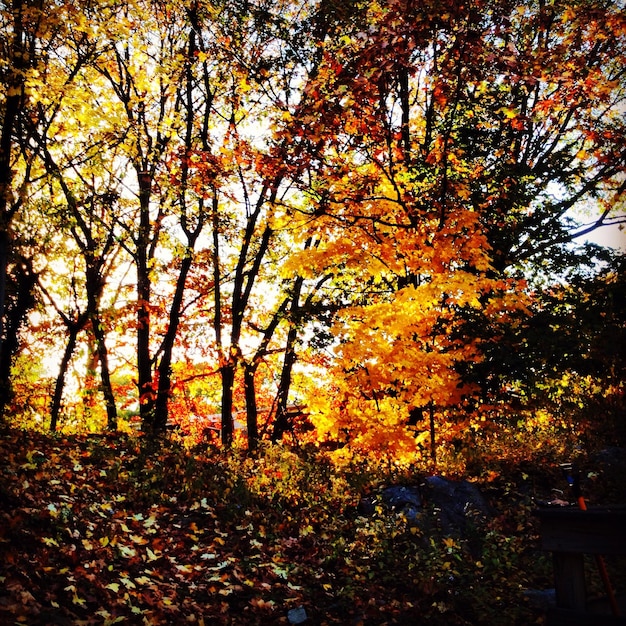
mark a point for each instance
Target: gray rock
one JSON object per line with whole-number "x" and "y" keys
{"x": 457, "y": 505}
{"x": 404, "y": 500}
{"x": 449, "y": 507}
{"x": 399, "y": 496}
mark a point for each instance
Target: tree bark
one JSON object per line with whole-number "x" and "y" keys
{"x": 165, "y": 365}
{"x": 23, "y": 284}
{"x": 105, "y": 374}
{"x": 228, "y": 382}
{"x": 14, "y": 98}
{"x": 433, "y": 441}
{"x": 73, "y": 328}
{"x": 252, "y": 413}
{"x": 144, "y": 360}
{"x": 281, "y": 424}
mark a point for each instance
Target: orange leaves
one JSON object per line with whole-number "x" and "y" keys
{"x": 404, "y": 348}
{"x": 390, "y": 355}
{"x": 202, "y": 171}
{"x": 451, "y": 163}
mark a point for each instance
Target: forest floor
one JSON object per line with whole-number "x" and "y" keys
{"x": 105, "y": 530}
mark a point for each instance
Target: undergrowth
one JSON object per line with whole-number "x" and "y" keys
{"x": 102, "y": 529}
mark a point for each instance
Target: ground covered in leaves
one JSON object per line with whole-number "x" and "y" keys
{"x": 109, "y": 529}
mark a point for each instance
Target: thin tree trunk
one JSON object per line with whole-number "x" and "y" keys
{"x": 165, "y": 364}
{"x": 161, "y": 412}
{"x": 252, "y": 414}
{"x": 405, "y": 105}
{"x": 228, "y": 382}
{"x": 433, "y": 441}
{"x": 144, "y": 361}
{"x": 281, "y": 424}
{"x": 105, "y": 374}
{"x": 55, "y": 407}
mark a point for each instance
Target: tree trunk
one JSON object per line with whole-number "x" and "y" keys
{"x": 161, "y": 411}
{"x": 144, "y": 361}
{"x": 16, "y": 310}
{"x": 282, "y": 424}
{"x": 55, "y": 407}
{"x": 228, "y": 381}
{"x": 252, "y": 415}
{"x": 13, "y": 102}
{"x": 105, "y": 374}
{"x": 405, "y": 105}
{"x": 433, "y": 441}
{"x": 165, "y": 365}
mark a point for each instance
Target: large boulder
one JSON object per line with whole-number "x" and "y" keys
{"x": 406, "y": 500}
{"x": 450, "y": 507}
{"x": 457, "y": 506}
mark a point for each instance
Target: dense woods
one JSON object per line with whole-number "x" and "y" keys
{"x": 373, "y": 210}
{"x": 261, "y": 261}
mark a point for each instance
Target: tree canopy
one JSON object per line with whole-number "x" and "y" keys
{"x": 262, "y": 216}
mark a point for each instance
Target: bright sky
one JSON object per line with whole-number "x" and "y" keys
{"x": 611, "y": 236}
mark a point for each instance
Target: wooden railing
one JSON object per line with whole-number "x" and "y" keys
{"x": 570, "y": 534}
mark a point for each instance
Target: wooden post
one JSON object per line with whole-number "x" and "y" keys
{"x": 569, "y": 580}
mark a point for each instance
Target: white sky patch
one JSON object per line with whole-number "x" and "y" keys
{"x": 609, "y": 236}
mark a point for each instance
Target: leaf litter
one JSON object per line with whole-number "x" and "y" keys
{"x": 96, "y": 530}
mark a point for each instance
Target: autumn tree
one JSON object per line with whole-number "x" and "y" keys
{"x": 134, "y": 66}
{"x": 32, "y": 33}
{"x": 446, "y": 145}
{"x": 268, "y": 51}
{"x": 74, "y": 191}
{"x": 260, "y": 171}
{"x": 18, "y": 44}
{"x": 76, "y": 135}
{"x": 191, "y": 114}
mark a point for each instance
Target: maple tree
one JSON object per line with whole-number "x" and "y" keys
{"x": 443, "y": 155}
